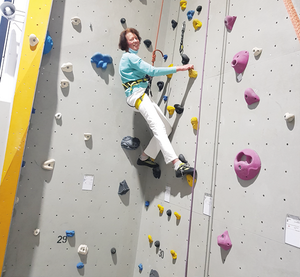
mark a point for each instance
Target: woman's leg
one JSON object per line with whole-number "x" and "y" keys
{"x": 156, "y": 121}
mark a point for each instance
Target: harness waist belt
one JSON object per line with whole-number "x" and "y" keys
{"x": 133, "y": 83}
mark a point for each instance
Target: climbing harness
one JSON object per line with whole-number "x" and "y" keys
{"x": 133, "y": 83}
{"x": 139, "y": 101}
{"x": 184, "y": 57}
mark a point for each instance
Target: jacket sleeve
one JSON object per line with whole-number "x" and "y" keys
{"x": 138, "y": 64}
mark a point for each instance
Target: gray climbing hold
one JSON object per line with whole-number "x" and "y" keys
{"x": 184, "y": 59}
{"x": 174, "y": 24}
{"x": 123, "y": 20}
{"x": 123, "y": 188}
{"x": 199, "y": 9}
{"x": 153, "y": 273}
{"x": 130, "y": 143}
{"x": 113, "y": 251}
{"x": 147, "y": 42}
{"x": 160, "y": 85}
{"x": 156, "y": 172}
{"x": 157, "y": 243}
{"x": 169, "y": 212}
{"x": 178, "y": 108}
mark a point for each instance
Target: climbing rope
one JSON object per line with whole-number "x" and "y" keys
{"x": 181, "y": 41}
{"x": 197, "y": 140}
{"x": 293, "y": 15}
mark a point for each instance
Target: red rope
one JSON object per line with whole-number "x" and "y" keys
{"x": 158, "y": 27}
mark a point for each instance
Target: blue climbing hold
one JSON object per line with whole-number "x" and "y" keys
{"x": 165, "y": 57}
{"x": 101, "y": 60}
{"x": 70, "y": 233}
{"x": 165, "y": 98}
{"x": 48, "y": 44}
{"x": 147, "y": 203}
{"x": 80, "y": 265}
{"x": 190, "y": 14}
{"x": 33, "y": 110}
{"x": 140, "y": 267}
{"x": 23, "y": 163}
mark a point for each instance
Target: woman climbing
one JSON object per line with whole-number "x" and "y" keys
{"x": 133, "y": 71}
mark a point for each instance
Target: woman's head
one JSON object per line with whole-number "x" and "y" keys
{"x": 129, "y": 38}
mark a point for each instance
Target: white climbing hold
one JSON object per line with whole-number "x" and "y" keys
{"x": 58, "y": 115}
{"x": 49, "y": 165}
{"x": 256, "y": 51}
{"x": 87, "y": 136}
{"x": 33, "y": 40}
{"x": 83, "y": 249}
{"x": 289, "y": 117}
{"x": 17, "y": 200}
{"x": 64, "y": 83}
{"x": 67, "y": 67}
{"x": 36, "y": 232}
{"x": 75, "y": 20}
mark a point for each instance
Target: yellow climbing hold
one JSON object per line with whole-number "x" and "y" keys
{"x": 170, "y": 75}
{"x": 183, "y": 4}
{"x": 193, "y": 73}
{"x": 161, "y": 208}
{"x": 178, "y": 216}
{"x": 150, "y": 239}
{"x": 171, "y": 110}
{"x": 189, "y": 179}
{"x": 174, "y": 254}
{"x": 197, "y": 24}
{"x": 194, "y": 122}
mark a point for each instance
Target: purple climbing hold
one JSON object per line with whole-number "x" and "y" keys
{"x": 250, "y": 96}
{"x": 239, "y": 61}
{"x": 224, "y": 241}
{"x": 247, "y": 164}
{"x": 229, "y": 22}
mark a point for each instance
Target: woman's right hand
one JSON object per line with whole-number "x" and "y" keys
{"x": 184, "y": 67}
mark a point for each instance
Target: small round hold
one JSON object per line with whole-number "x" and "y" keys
{"x": 113, "y": 251}
{"x": 185, "y": 59}
{"x": 160, "y": 85}
{"x": 169, "y": 212}
{"x": 157, "y": 243}
{"x": 36, "y": 232}
{"x": 147, "y": 203}
{"x": 178, "y": 108}
{"x": 199, "y": 9}
{"x": 174, "y": 24}
{"x": 147, "y": 42}
{"x": 123, "y": 20}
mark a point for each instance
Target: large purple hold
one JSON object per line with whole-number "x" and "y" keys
{"x": 239, "y": 61}
{"x": 229, "y": 22}
{"x": 250, "y": 96}
{"x": 247, "y": 164}
{"x": 224, "y": 241}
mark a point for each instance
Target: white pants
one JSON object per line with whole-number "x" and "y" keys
{"x": 161, "y": 129}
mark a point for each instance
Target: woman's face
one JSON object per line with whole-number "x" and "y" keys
{"x": 132, "y": 41}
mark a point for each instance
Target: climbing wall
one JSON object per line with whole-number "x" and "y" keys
{"x": 253, "y": 212}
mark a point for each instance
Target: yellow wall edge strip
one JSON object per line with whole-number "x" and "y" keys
{"x": 36, "y": 23}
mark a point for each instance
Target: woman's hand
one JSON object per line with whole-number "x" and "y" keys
{"x": 184, "y": 67}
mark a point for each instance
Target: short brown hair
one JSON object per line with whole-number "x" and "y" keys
{"x": 123, "y": 45}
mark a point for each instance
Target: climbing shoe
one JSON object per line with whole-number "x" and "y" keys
{"x": 149, "y": 162}
{"x": 184, "y": 169}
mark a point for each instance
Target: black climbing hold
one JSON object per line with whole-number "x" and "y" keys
{"x": 123, "y": 20}
{"x": 130, "y": 143}
{"x": 153, "y": 273}
{"x": 169, "y": 212}
{"x": 160, "y": 85}
{"x": 174, "y": 24}
{"x": 113, "y": 250}
{"x": 157, "y": 243}
{"x": 123, "y": 188}
{"x": 179, "y": 109}
{"x": 147, "y": 42}
{"x": 199, "y": 9}
{"x": 182, "y": 158}
{"x": 156, "y": 172}
{"x": 185, "y": 59}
